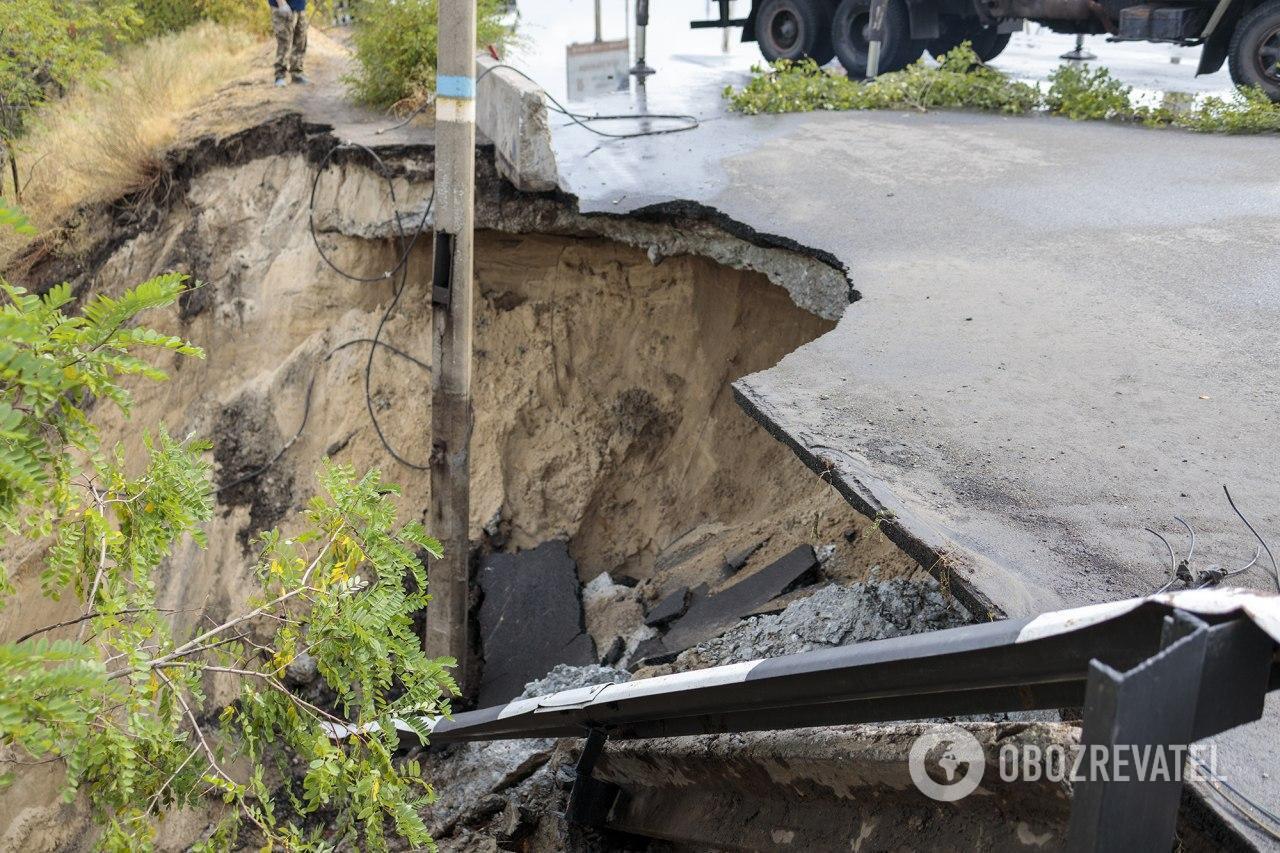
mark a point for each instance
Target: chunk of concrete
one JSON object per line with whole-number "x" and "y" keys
{"x": 613, "y": 613}
{"x": 832, "y": 616}
{"x": 735, "y": 562}
{"x": 530, "y": 619}
{"x": 511, "y": 111}
{"x": 668, "y": 609}
{"x": 708, "y": 615}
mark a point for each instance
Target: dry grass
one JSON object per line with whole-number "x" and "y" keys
{"x": 108, "y": 139}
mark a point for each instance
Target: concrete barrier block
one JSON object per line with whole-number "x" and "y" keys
{"x": 512, "y": 112}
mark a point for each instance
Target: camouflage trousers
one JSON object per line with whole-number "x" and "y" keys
{"x": 291, "y": 41}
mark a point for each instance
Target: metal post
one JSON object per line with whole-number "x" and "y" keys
{"x": 641, "y": 69}
{"x": 875, "y": 36}
{"x": 1078, "y": 54}
{"x": 1204, "y": 680}
{"x": 447, "y": 630}
{"x": 598, "y": 38}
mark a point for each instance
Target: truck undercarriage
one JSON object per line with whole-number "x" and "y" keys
{"x": 1244, "y": 32}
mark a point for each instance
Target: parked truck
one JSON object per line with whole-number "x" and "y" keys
{"x": 1245, "y": 33}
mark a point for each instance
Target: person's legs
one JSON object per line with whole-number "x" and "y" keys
{"x": 282, "y": 25}
{"x": 299, "y": 46}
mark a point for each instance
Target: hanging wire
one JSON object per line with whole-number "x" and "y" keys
{"x": 583, "y": 120}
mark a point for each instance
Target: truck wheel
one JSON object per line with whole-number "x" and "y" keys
{"x": 795, "y": 29}
{"x": 951, "y": 31}
{"x": 849, "y": 35}
{"x": 1255, "y": 50}
{"x": 986, "y": 42}
{"x": 989, "y": 44}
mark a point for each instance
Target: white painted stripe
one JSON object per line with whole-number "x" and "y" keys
{"x": 583, "y": 697}
{"x": 341, "y": 731}
{"x": 734, "y": 673}
{"x": 460, "y": 110}
{"x": 1263, "y": 609}
{"x": 516, "y": 707}
{"x": 1062, "y": 621}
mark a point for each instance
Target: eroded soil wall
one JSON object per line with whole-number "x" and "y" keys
{"x": 603, "y": 412}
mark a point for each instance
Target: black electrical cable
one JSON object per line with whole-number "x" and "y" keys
{"x": 306, "y": 405}
{"x": 1275, "y": 572}
{"x": 1249, "y": 808}
{"x": 382, "y": 321}
{"x": 382, "y": 170}
{"x": 401, "y": 267}
{"x": 581, "y": 119}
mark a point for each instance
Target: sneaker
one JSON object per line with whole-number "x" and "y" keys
{"x": 300, "y": 79}
{"x": 280, "y": 82}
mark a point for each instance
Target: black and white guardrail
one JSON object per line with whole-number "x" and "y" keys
{"x": 1028, "y": 664}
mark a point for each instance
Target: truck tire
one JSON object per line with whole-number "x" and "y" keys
{"x": 795, "y": 29}
{"x": 986, "y": 42}
{"x": 849, "y": 35}
{"x": 989, "y": 44}
{"x": 1255, "y": 50}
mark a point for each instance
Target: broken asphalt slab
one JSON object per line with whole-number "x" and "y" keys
{"x": 708, "y": 615}
{"x": 671, "y": 607}
{"x": 530, "y": 619}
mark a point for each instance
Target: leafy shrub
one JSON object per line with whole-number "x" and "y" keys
{"x": 47, "y": 45}
{"x": 1248, "y": 111}
{"x": 169, "y": 16}
{"x": 115, "y": 694}
{"x": 1084, "y": 92}
{"x": 960, "y": 80}
{"x": 395, "y": 46}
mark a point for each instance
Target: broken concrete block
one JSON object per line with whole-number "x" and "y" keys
{"x": 832, "y": 616}
{"x": 512, "y": 113}
{"x": 530, "y": 620}
{"x": 708, "y": 615}
{"x": 614, "y": 653}
{"x": 613, "y": 611}
{"x": 670, "y": 608}
{"x": 733, "y": 563}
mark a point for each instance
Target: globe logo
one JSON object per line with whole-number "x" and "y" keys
{"x": 959, "y": 758}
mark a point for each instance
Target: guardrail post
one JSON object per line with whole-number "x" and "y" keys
{"x": 589, "y": 798}
{"x": 1205, "y": 679}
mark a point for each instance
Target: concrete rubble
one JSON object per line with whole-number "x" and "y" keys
{"x": 833, "y": 616}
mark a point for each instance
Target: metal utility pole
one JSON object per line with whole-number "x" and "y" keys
{"x": 451, "y": 298}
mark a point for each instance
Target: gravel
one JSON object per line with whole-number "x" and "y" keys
{"x": 833, "y": 616}
{"x": 566, "y": 677}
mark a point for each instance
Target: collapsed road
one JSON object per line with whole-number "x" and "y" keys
{"x": 1063, "y": 335}
{"x": 899, "y": 404}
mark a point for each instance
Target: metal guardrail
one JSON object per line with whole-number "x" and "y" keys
{"x": 1164, "y": 671}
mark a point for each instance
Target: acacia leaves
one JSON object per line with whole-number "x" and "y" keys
{"x": 115, "y": 694}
